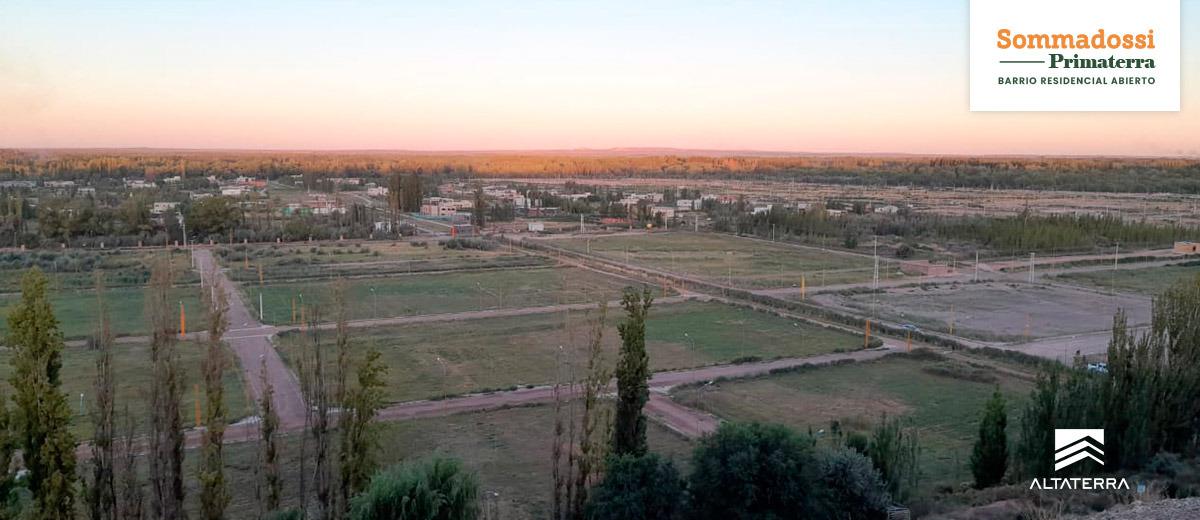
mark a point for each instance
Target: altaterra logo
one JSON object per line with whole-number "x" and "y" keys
{"x": 1075, "y": 55}
{"x": 1071, "y": 446}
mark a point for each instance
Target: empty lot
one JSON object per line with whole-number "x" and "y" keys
{"x": 994, "y": 311}
{"x": 726, "y": 259}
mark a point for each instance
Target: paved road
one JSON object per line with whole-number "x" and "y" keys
{"x": 250, "y": 341}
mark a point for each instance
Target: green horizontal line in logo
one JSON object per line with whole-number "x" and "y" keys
{"x": 1014, "y": 61}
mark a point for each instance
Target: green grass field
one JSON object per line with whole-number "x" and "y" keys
{"x": 76, "y": 310}
{"x": 945, "y": 409}
{"x": 434, "y": 359}
{"x": 719, "y": 258}
{"x": 329, "y": 260}
{"x": 509, "y": 449}
{"x": 1148, "y": 281}
{"x": 131, "y": 365}
{"x": 420, "y": 294}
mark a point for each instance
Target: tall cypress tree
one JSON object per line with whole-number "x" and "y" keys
{"x": 633, "y": 375}
{"x": 42, "y": 412}
{"x": 989, "y": 459}
{"x": 214, "y": 495}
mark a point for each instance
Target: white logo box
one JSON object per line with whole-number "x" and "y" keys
{"x": 1075, "y": 17}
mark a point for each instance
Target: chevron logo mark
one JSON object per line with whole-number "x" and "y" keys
{"x": 1074, "y": 445}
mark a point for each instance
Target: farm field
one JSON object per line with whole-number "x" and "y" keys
{"x": 1148, "y": 281}
{"x": 942, "y": 398}
{"x": 133, "y": 374}
{"x": 75, "y": 269}
{"x": 995, "y": 311}
{"x": 418, "y": 294}
{"x": 77, "y": 315}
{"x": 509, "y": 449}
{"x": 459, "y": 357}
{"x": 718, "y": 258}
{"x": 328, "y": 260}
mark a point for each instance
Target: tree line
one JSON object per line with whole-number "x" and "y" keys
{"x": 1105, "y": 174}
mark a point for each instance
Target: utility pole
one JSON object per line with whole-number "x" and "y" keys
{"x": 976, "y": 266}
{"x": 260, "y": 306}
{"x": 1031, "y": 260}
{"x": 581, "y": 222}
{"x": 875, "y": 280}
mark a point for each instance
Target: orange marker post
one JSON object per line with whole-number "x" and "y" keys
{"x": 182, "y": 321}
{"x": 867, "y": 335}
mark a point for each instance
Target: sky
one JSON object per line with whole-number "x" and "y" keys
{"x": 821, "y": 76}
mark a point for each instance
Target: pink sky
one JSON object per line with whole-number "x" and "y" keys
{"x": 554, "y": 76}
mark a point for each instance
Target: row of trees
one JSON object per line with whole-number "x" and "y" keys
{"x": 87, "y": 221}
{"x": 46, "y": 485}
{"x": 1078, "y": 174}
{"x": 1148, "y": 401}
{"x": 1018, "y": 234}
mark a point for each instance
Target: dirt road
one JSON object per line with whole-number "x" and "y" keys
{"x": 686, "y": 421}
{"x": 250, "y": 341}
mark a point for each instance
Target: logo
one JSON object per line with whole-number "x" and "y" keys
{"x": 1071, "y": 446}
{"x": 1076, "y": 445}
{"x": 1075, "y": 55}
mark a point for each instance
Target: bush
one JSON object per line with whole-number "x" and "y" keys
{"x": 751, "y": 471}
{"x": 637, "y": 487}
{"x": 848, "y": 487}
{"x": 435, "y": 489}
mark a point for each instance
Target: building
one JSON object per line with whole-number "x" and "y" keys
{"x": 887, "y": 210}
{"x": 234, "y": 191}
{"x": 321, "y": 204}
{"x": 537, "y": 227}
{"x": 158, "y": 208}
{"x": 688, "y": 204}
{"x": 1187, "y": 247}
{"x": 139, "y": 184}
{"x": 377, "y": 191}
{"x": 443, "y": 207}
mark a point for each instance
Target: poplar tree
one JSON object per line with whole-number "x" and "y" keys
{"x": 166, "y": 427}
{"x": 989, "y": 458}
{"x": 633, "y": 375}
{"x": 363, "y": 402}
{"x": 271, "y": 482}
{"x": 101, "y": 491}
{"x": 42, "y": 412}
{"x": 214, "y": 495}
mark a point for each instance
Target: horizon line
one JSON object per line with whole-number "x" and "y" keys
{"x": 620, "y": 151}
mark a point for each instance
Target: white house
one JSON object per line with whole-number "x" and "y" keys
{"x": 688, "y": 204}
{"x": 665, "y": 211}
{"x": 158, "y": 208}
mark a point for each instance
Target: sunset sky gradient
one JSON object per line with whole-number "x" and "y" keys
{"x": 817, "y": 76}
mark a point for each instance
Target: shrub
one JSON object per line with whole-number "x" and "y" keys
{"x": 435, "y": 489}
{"x": 751, "y": 471}
{"x": 637, "y": 487}
{"x": 848, "y": 487}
